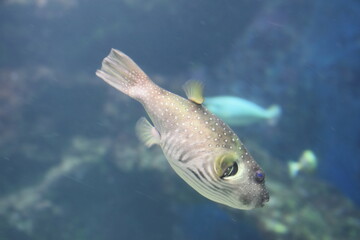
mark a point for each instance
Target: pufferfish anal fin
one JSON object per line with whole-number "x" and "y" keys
{"x": 194, "y": 91}
{"x": 146, "y": 132}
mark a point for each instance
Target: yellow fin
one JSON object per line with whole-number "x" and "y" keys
{"x": 146, "y": 132}
{"x": 194, "y": 91}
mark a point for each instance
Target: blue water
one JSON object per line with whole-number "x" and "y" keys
{"x": 71, "y": 166}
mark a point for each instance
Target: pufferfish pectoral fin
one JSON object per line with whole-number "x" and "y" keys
{"x": 194, "y": 91}
{"x": 146, "y": 132}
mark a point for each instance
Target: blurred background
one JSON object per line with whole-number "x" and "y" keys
{"x": 72, "y": 168}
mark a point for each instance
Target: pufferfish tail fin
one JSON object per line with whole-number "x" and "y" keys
{"x": 146, "y": 132}
{"x": 124, "y": 74}
{"x": 194, "y": 91}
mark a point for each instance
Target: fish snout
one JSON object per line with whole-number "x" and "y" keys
{"x": 264, "y": 198}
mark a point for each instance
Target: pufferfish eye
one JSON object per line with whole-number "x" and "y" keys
{"x": 259, "y": 176}
{"x": 230, "y": 171}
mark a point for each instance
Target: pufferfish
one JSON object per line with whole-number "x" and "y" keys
{"x": 200, "y": 147}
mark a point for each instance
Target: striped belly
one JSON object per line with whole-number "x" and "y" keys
{"x": 180, "y": 150}
{"x": 192, "y": 161}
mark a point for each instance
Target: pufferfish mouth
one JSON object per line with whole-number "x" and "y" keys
{"x": 255, "y": 201}
{"x": 265, "y": 197}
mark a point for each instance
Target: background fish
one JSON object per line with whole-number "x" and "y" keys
{"x": 306, "y": 163}
{"x": 237, "y": 111}
{"x": 201, "y": 148}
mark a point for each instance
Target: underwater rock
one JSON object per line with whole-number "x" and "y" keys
{"x": 300, "y": 208}
{"x": 22, "y": 207}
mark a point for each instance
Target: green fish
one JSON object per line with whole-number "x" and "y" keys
{"x": 237, "y": 111}
{"x": 201, "y": 148}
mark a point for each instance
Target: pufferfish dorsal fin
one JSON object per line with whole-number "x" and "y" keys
{"x": 146, "y": 132}
{"x": 194, "y": 91}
